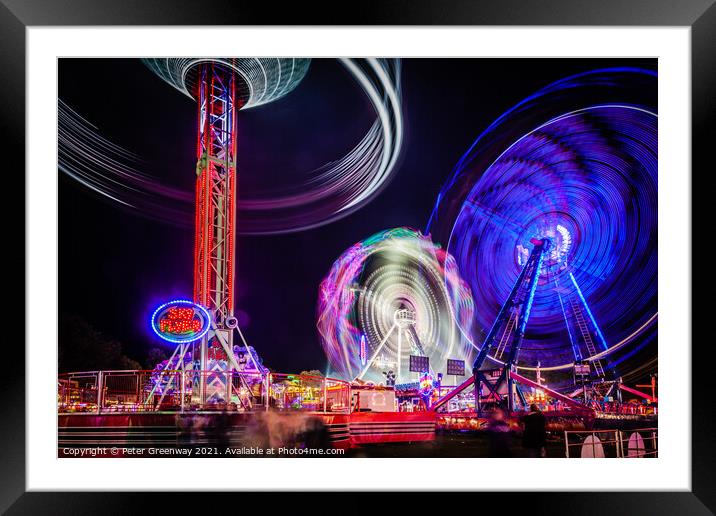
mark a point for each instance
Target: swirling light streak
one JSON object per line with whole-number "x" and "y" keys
{"x": 382, "y": 288}
{"x": 114, "y": 172}
{"x": 324, "y": 195}
{"x": 587, "y": 179}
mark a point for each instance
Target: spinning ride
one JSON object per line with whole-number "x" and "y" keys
{"x": 551, "y": 218}
{"x": 306, "y": 199}
{"x": 221, "y": 88}
{"x": 388, "y": 297}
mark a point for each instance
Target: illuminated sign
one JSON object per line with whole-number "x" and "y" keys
{"x": 456, "y": 367}
{"x": 419, "y": 364}
{"x": 363, "y": 353}
{"x": 581, "y": 369}
{"x": 181, "y": 321}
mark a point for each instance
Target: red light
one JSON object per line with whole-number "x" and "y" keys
{"x": 180, "y": 321}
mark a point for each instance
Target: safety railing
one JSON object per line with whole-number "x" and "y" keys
{"x": 104, "y": 392}
{"x": 637, "y": 443}
{"x": 308, "y": 393}
{"x": 78, "y": 392}
{"x": 640, "y": 443}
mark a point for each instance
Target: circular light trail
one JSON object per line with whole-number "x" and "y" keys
{"x": 584, "y": 177}
{"x": 320, "y": 196}
{"x": 390, "y": 296}
{"x": 115, "y": 173}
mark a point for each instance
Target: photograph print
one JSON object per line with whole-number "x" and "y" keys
{"x": 357, "y": 257}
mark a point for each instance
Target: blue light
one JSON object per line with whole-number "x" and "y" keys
{"x": 576, "y": 164}
{"x": 531, "y": 296}
{"x": 203, "y": 312}
{"x": 589, "y": 312}
{"x": 575, "y": 348}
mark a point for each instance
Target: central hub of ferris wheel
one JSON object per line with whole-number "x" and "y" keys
{"x": 560, "y": 245}
{"x": 404, "y": 318}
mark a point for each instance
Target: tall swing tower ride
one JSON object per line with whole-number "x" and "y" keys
{"x": 215, "y": 223}
{"x": 221, "y": 87}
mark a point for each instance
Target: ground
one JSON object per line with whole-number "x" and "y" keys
{"x": 450, "y": 445}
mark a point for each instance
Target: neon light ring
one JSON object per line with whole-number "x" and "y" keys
{"x": 181, "y": 321}
{"x": 575, "y": 164}
{"x": 390, "y": 296}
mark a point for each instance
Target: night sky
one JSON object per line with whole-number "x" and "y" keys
{"x": 115, "y": 266}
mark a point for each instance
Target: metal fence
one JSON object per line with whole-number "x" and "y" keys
{"x": 640, "y": 443}
{"x": 637, "y": 443}
{"x": 103, "y": 392}
{"x": 308, "y": 393}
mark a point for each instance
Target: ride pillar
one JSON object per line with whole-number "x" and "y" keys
{"x": 215, "y": 220}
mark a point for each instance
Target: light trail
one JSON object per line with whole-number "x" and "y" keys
{"x": 319, "y": 197}
{"x": 575, "y": 163}
{"x": 402, "y": 295}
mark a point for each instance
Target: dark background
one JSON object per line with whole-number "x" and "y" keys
{"x": 115, "y": 266}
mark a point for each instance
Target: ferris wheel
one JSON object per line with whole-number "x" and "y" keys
{"x": 551, "y": 218}
{"x": 390, "y": 297}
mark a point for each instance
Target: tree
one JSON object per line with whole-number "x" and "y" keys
{"x": 312, "y": 372}
{"x": 83, "y": 348}
{"x": 155, "y": 356}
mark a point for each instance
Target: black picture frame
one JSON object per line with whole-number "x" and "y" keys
{"x": 17, "y": 15}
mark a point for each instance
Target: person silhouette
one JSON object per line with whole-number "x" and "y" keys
{"x": 534, "y": 436}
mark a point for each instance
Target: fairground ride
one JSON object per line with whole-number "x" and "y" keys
{"x": 551, "y": 218}
{"x": 390, "y": 299}
{"x": 221, "y": 87}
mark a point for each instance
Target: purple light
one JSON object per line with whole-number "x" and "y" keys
{"x": 575, "y": 163}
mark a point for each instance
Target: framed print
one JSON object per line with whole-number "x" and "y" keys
{"x": 272, "y": 251}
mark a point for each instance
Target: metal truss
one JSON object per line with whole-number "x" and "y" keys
{"x": 215, "y": 192}
{"x": 508, "y": 331}
{"x": 405, "y": 333}
{"x": 216, "y": 206}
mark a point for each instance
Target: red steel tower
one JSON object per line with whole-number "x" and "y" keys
{"x": 216, "y": 201}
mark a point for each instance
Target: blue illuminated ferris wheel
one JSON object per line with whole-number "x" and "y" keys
{"x": 551, "y": 217}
